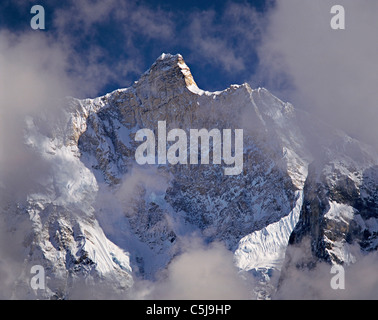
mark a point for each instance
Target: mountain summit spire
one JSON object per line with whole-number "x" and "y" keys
{"x": 171, "y": 70}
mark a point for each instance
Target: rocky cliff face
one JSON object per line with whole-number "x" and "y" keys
{"x": 201, "y": 197}
{"x": 340, "y": 204}
{"x": 98, "y": 216}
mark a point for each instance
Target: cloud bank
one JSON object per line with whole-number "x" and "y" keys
{"x": 200, "y": 272}
{"x": 332, "y": 74}
{"x": 360, "y": 280}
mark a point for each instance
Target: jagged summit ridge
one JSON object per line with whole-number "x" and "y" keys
{"x": 219, "y": 209}
{"x": 170, "y": 71}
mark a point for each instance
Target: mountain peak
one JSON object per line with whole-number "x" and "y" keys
{"x": 171, "y": 70}
{"x": 168, "y": 56}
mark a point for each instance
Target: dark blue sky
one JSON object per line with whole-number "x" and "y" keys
{"x": 216, "y": 38}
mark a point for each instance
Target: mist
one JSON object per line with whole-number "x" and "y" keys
{"x": 359, "y": 279}
{"x": 333, "y": 74}
{"x": 201, "y": 271}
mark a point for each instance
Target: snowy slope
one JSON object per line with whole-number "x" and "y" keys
{"x": 64, "y": 236}
{"x": 266, "y": 248}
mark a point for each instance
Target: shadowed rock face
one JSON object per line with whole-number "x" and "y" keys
{"x": 340, "y": 205}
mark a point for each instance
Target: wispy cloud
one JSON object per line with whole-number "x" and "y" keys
{"x": 360, "y": 278}
{"x": 210, "y": 43}
{"x": 331, "y": 73}
{"x": 225, "y": 38}
{"x": 33, "y": 79}
{"x": 101, "y": 39}
{"x": 200, "y": 272}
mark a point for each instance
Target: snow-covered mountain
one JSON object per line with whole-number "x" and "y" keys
{"x": 99, "y": 217}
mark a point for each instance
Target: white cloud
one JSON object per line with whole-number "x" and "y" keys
{"x": 331, "y": 73}
{"x": 101, "y": 38}
{"x": 200, "y": 272}
{"x": 33, "y": 79}
{"x": 360, "y": 279}
{"x": 225, "y": 38}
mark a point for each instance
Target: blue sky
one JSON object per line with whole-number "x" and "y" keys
{"x": 130, "y": 35}
{"x": 91, "y": 47}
